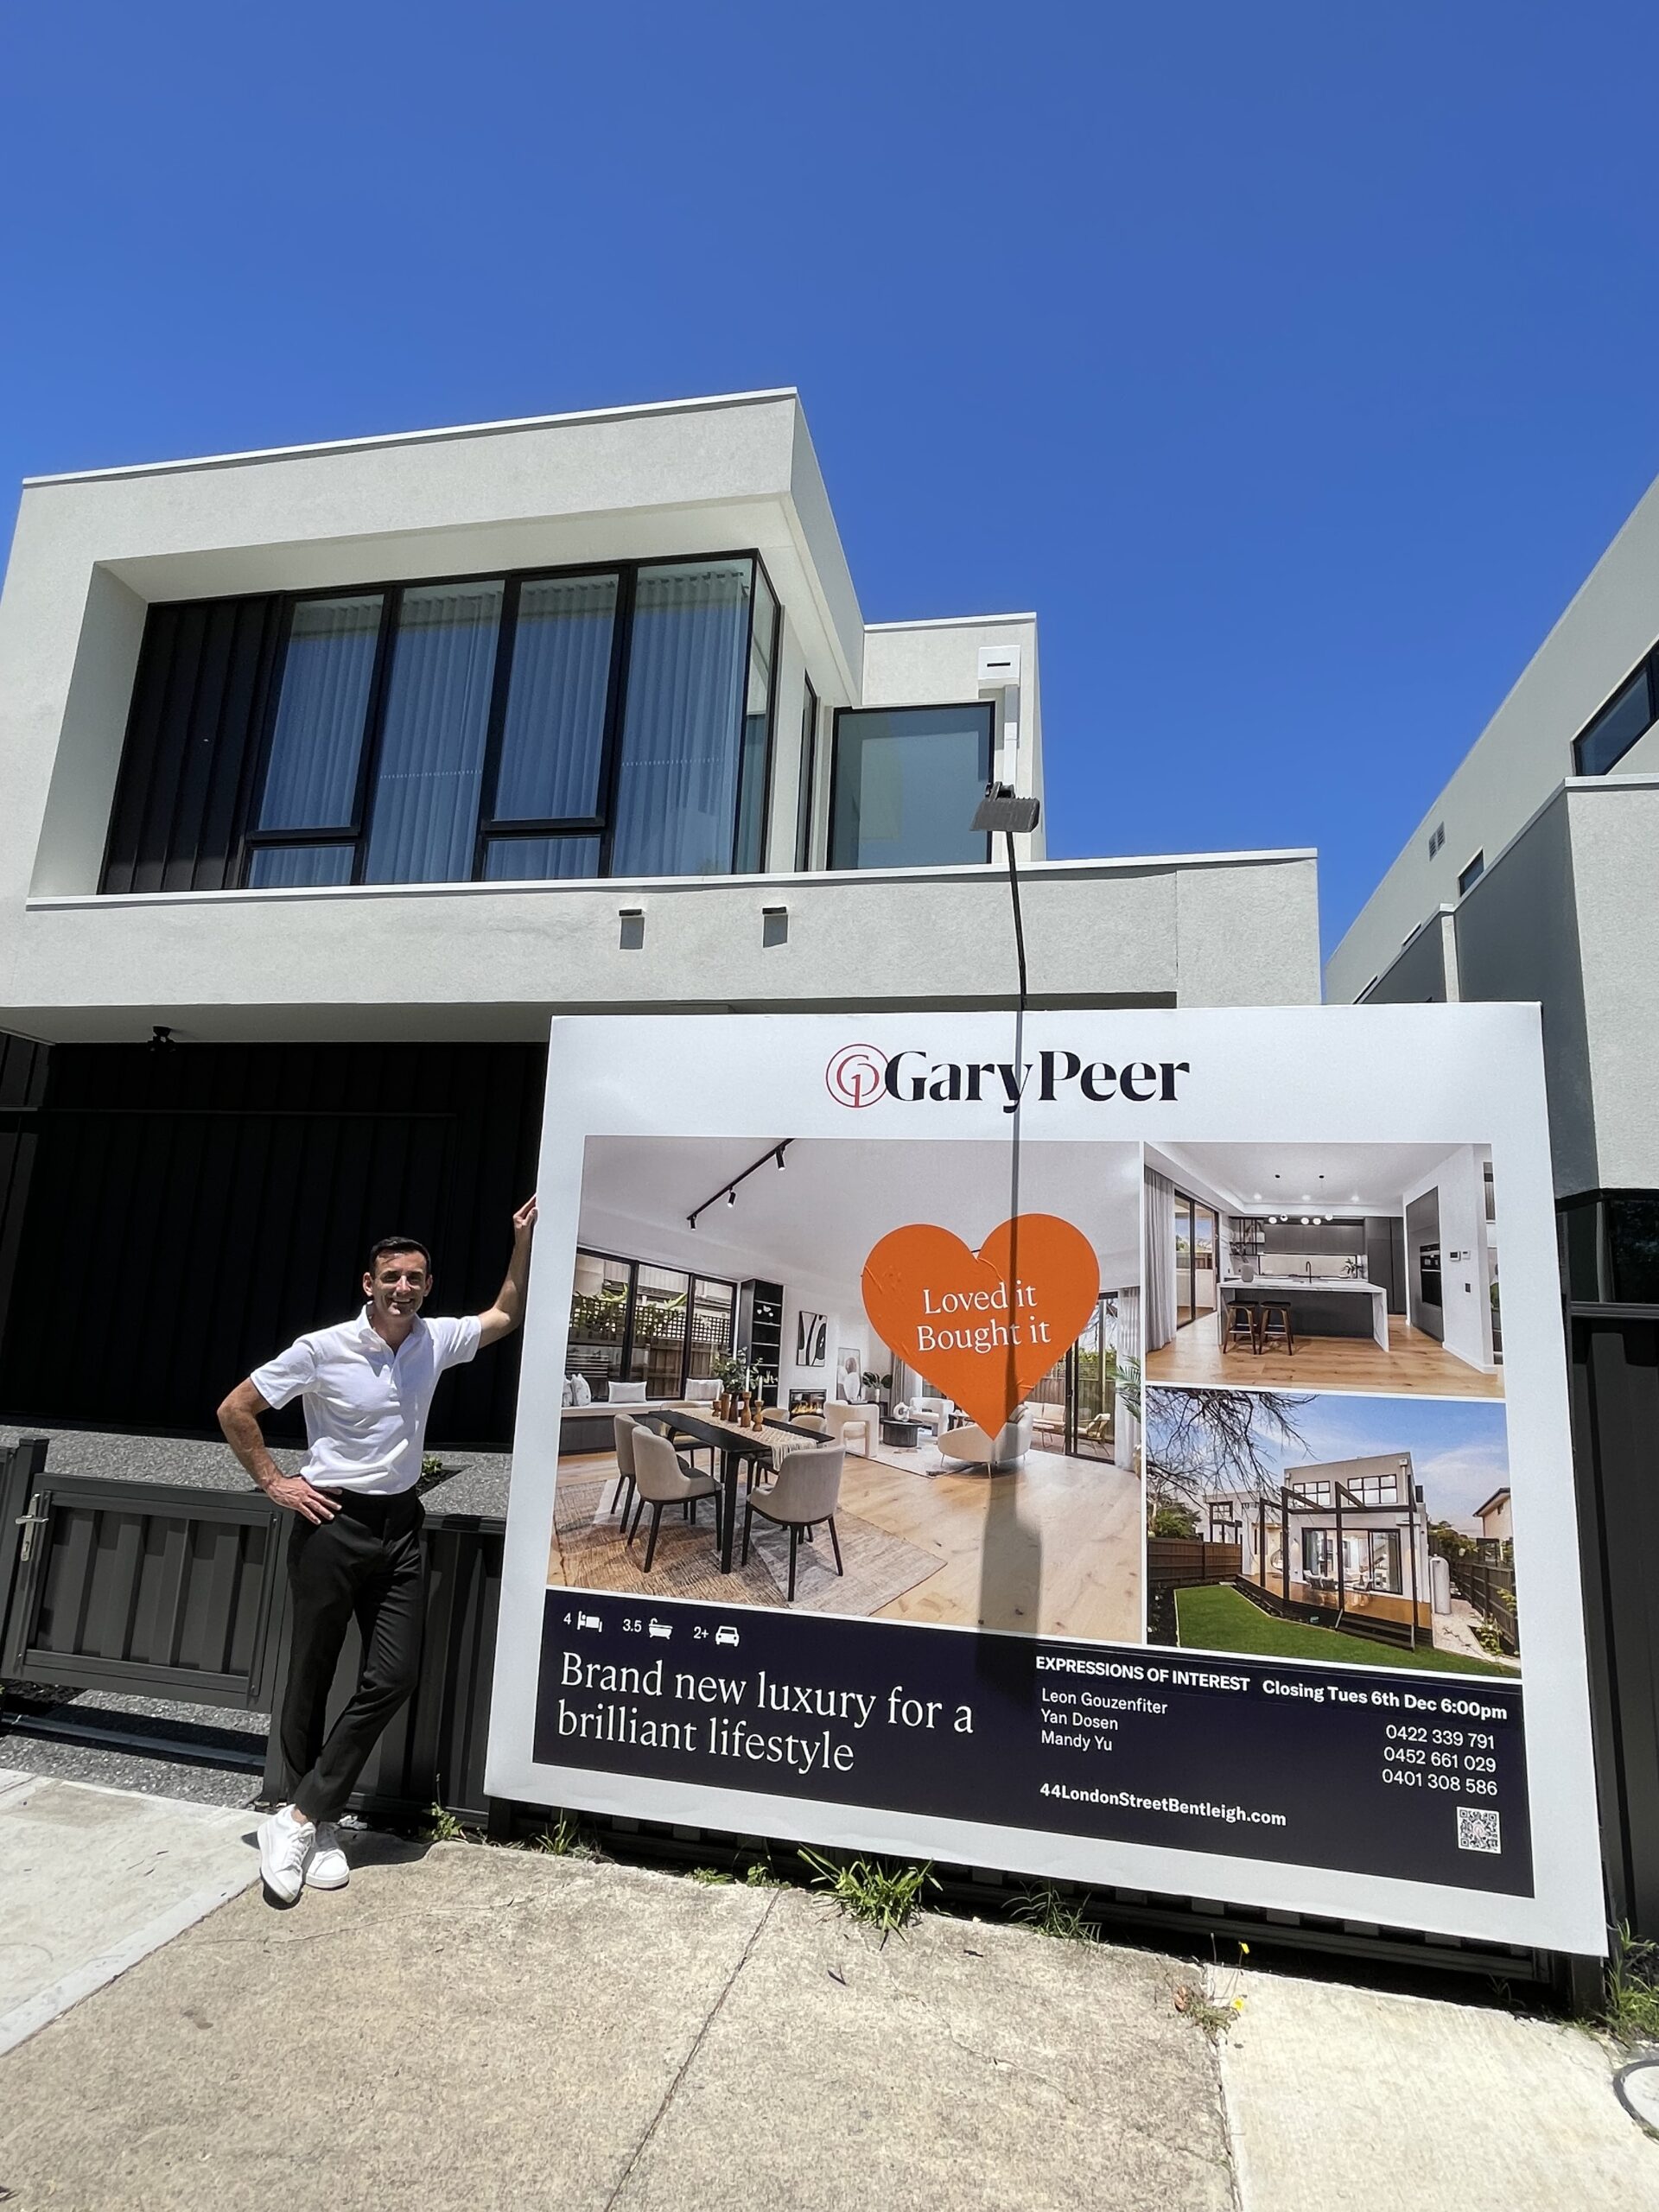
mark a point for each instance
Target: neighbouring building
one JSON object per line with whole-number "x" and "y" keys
{"x": 1533, "y": 874}
{"x": 329, "y": 775}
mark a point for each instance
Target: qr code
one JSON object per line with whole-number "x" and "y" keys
{"x": 1477, "y": 1829}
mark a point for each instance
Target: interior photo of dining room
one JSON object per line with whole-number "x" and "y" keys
{"x": 1340, "y": 1266}
{"x": 734, "y": 1431}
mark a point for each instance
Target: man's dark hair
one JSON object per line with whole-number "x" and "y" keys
{"x": 389, "y": 1244}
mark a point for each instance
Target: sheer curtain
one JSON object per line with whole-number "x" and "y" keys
{"x": 554, "y": 728}
{"x": 424, "y": 813}
{"x": 1160, "y": 1260}
{"x": 677, "y": 790}
{"x": 311, "y": 783}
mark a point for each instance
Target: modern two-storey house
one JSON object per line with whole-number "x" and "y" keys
{"x": 329, "y": 775}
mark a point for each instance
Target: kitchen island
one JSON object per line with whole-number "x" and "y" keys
{"x": 1320, "y": 1306}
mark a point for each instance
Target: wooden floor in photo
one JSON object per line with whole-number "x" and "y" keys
{"x": 1054, "y": 1549}
{"x": 1414, "y": 1364}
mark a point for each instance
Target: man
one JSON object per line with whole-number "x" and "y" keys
{"x": 367, "y": 1387}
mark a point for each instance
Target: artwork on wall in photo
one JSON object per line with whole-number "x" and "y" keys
{"x": 811, "y": 1333}
{"x": 1191, "y": 1544}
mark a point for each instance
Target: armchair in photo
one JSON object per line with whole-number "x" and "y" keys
{"x": 970, "y": 1446}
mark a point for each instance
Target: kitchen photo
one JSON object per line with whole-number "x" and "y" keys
{"x": 1345, "y": 1267}
{"x": 736, "y": 1432}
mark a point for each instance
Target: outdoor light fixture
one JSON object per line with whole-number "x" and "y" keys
{"x": 1004, "y": 812}
{"x": 728, "y": 1191}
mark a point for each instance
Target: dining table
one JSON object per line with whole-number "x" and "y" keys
{"x": 733, "y": 1444}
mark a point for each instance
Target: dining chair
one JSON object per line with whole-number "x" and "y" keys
{"x": 806, "y": 1491}
{"x": 625, "y": 1425}
{"x": 663, "y": 1478}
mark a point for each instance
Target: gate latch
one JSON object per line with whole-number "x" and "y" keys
{"x": 29, "y": 1522}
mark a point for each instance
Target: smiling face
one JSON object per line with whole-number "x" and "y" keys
{"x": 396, "y": 1287}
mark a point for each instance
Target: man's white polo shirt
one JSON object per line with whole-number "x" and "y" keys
{"x": 365, "y": 1405}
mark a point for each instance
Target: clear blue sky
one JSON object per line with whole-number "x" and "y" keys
{"x": 1294, "y": 362}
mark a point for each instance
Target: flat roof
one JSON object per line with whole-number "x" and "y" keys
{"x": 422, "y": 437}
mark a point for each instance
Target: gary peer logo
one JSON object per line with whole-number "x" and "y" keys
{"x": 856, "y": 1075}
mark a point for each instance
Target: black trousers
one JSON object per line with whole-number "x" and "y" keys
{"x": 363, "y": 1565}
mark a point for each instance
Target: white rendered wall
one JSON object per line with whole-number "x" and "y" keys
{"x": 1466, "y": 1309}
{"x": 1524, "y": 752}
{"x": 1615, "y": 849}
{"x": 492, "y": 961}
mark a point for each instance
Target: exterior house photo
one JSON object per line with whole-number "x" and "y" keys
{"x": 1326, "y": 1526}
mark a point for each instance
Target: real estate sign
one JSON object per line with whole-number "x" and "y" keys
{"x": 1177, "y": 1499}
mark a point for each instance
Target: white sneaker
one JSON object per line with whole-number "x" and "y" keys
{"x": 326, "y": 1869}
{"x": 285, "y": 1845}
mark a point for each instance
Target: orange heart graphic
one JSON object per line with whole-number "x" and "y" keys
{"x": 983, "y": 1326}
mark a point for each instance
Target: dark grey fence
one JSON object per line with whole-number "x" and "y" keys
{"x": 1489, "y": 1586}
{"x": 1181, "y": 1563}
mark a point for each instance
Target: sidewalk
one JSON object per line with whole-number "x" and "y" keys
{"x": 494, "y": 2027}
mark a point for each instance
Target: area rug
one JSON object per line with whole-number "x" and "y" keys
{"x": 590, "y": 1555}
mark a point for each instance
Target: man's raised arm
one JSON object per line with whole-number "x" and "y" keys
{"x": 508, "y": 1311}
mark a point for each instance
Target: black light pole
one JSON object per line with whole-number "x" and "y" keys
{"x": 1002, "y": 811}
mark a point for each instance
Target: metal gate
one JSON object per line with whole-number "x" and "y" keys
{"x": 165, "y": 1592}
{"x": 153, "y": 1589}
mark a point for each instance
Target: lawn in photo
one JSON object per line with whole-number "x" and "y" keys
{"x": 1326, "y": 1526}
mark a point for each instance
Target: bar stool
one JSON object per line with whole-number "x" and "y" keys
{"x": 1276, "y": 1327}
{"x": 1242, "y": 1325}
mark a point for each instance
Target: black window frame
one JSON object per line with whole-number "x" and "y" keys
{"x": 902, "y": 706}
{"x": 1647, "y": 666}
{"x": 693, "y": 1277}
{"x": 1468, "y": 877}
{"x": 491, "y": 827}
{"x": 810, "y": 708}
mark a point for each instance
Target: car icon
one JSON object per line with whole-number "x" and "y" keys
{"x": 589, "y": 1620}
{"x": 726, "y": 1633}
{"x": 665, "y": 1628}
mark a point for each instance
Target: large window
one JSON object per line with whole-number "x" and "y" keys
{"x": 597, "y": 721}
{"x": 633, "y": 1322}
{"x": 905, "y": 783}
{"x": 1370, "y": 1558}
